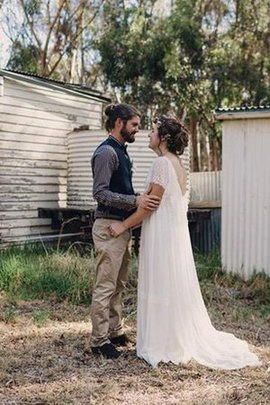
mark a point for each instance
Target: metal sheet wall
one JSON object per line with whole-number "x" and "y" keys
{"x": 205, "y": 186}
{"x": 81, "y": 146}
{"x": 205, "y": 210}
{"x": 246, "y": 196}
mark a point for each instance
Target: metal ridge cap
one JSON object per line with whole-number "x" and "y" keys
{"x": 242, "y": 109}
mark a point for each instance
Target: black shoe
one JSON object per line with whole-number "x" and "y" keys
{"x": 107, "y": 350}
{"x": 121, "y": 340}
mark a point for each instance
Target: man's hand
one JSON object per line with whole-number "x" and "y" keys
{"x": 116, "y": 228}
{"x": 148, "y": 202}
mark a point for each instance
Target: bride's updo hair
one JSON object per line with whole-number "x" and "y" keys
{"x": 123, "y": 111}
{"x": 174, "y": 132}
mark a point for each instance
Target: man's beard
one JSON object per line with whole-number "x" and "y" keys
{"x": 129, "y": 137}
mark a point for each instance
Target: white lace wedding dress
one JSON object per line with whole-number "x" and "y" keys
{"x": 172, "y": 320}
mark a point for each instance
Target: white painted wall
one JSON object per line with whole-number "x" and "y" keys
{"x": 34, "y": 122}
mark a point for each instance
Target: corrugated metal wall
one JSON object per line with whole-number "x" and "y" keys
{"x": 246, "y": 196}
{"x": 205, "y": 187}
{"x": 34, "y": 122}
{"x": 81, "y": 146}
{"x": 205, "y": 210}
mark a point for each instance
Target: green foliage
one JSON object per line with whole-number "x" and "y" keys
{"x": 201, "y": 56}
{"x": 32, "y": 7}
{"x": 52, "y": 39}
{"x": 23, "y": 58}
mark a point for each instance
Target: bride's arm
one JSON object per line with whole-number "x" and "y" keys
{"x": 139, "y": 215}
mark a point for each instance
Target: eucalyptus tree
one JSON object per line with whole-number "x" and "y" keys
{"x": 198, "y": 56}
{"x": 186, "y": 57}
{"x": 160, "y": 62}
{"x": 51, "y": 38}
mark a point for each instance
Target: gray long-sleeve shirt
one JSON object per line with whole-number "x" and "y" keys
{"x": 104, "y": 162}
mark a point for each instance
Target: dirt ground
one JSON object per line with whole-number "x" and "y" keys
{"x": 47, "y": 361}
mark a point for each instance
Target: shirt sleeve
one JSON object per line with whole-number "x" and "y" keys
{"x": 104, "y": 163}
{"x": 160, "y": 172}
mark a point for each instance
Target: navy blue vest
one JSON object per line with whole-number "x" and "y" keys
{"x": 121, "y": 180}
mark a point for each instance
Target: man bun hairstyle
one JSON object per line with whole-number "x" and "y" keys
{"x": 123, "y": 111}
{"x": 175, "y": 133}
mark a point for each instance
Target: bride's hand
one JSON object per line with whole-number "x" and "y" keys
{"x": 116, "y": 228}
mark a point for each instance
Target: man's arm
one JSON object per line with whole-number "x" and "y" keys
{"x": 139, "y": 215}
{"x": 104, "y": 163}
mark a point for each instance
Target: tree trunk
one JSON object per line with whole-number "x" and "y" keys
{"x": 205, "y": 153}
{"x": 215, "y": 154}
{"x": 194, "y": 145}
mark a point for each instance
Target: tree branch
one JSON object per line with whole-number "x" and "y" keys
{"x": 31, "y": 25}
{"x": 74, "y": 39}
{"x": 56, "y": 18}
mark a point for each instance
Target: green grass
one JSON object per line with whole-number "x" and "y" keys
{"x": 9, "y": 314}
{"x": 208, "y": 265}
{"x": 34, "y": 272}
{"x": 255, "y": 291}
{"x": 31, "y": 272}
{"x": 40, "y": 317}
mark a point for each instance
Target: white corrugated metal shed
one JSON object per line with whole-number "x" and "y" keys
{"x": 35, "y": 116}
{"x": 246, "y": 190}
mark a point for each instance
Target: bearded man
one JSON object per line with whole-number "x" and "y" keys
{"x": 114, "y": 193}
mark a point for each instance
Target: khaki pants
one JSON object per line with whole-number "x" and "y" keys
{"x": 112, "y": 263}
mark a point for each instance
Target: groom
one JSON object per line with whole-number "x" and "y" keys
{"x": 113, "y": 191}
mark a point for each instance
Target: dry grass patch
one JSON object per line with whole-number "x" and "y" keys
{"x": 52, "y": 364}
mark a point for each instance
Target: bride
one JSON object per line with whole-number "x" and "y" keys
{"x": 172, "y": 320}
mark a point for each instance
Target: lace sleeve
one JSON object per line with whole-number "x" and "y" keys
{"x": 160, "y": 172}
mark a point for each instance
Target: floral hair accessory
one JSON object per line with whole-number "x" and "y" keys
{"x": 159, "y": 121}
